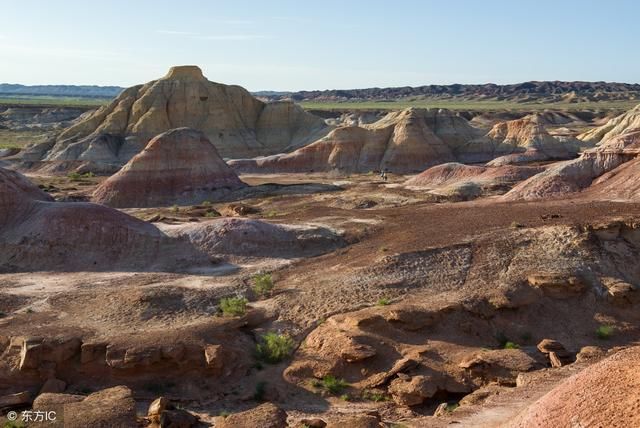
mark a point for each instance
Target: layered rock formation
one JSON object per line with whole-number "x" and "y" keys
{"x": 469, "y": 181}
{"x": 38, "y": 234}
{"x": 526, "y": 140}
{"x": 614, "y": 127}
{"x": 238, "y": 124}
{"x": 404, "y": 141}
{"x": 613, "y": 160}
{"x": 414, "y": 139}
{"x": 178, "y": 166}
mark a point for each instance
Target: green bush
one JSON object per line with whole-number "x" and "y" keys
{"x": 374, "y": 396}
{"x": 511, "y": 345}
{"x": 262, "y": 284}
{"x": 604, "y": 332}
{"x": 383, "y": 301}
{"x": 273, "y": 347}
{"x": 212, "y": 214}
{"x": 233, "y": 306}
{"x": 333, "y": 385}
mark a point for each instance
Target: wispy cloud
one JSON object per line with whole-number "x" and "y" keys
{"x": 225, "y": 37}
{"x": 176, "y": 33}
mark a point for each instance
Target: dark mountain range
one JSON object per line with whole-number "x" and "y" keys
{"x": 60, "y": 90}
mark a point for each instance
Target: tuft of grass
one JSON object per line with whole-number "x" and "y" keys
{"x": 605, "y": 332}
{"x": 224, "y": 414}
{"x": 345, "y": 397}
{"x": 451, "y": 407}
{"x": 260, "y": 390}
{"x": 233, "y": 306}
{"x": 175, "y": 209}
{"x": 212, "y": 214}
{"x": 206, "y": 203}
{"x": 273, "y": 347}
{"x": 511, "y": 345}
{"x": 332, "y": 384}
{"x": 262, "y": 284}
{"x": 383, "y": 301}
{"x": 374, "y": 396}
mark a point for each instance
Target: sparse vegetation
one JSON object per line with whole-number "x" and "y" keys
{"x": 375, "y": 396}
{"x": 262, "y": 284}
{"x": 13, "y": 424}
{"x": 345, "y": 397}
{"x": 212, "y": 214}
{"x": 224, "y": 414}
{"x": 451, "y": 407}
{"x": 273, "y": 347}
{"x": 76, "y": 176}
{"x": 383, "y": 301}
{"x": 175, "y": 209}
{"x": 511, "y": 345}
{"x": 516, "y": 225}
{"x": 605, "y": 332}
{"x": 233, "y": 306}
{"x": 331, "y": 384}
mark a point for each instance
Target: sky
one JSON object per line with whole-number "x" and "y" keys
{"x": 328, "y": 44}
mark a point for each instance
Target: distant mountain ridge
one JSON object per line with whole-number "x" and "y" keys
{"x": 88, "y": 91}
{"x": 548, "y": 91}
{"x": 534, "y": 91}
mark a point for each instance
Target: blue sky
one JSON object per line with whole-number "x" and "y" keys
{"x": 294, "y": 45}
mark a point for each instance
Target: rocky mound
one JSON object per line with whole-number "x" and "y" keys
{"x": 469, "y": 181}
{"x": 255, "y": 238}
{"x": 404, "y": 141}
{"x": 605, "y": 394}
{"x": 572, "y": 176}
{"x": 179, "y": 166}
{"x": 37, "y": 234}
{"x": 238, "y": 124}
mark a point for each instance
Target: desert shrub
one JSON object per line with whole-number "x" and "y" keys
{"x": 212, "y": 214}
{"x": 345, "y": 397}
{"x": 516, "y": 225}
{"x": 206, "y": 203}
{"x": 233, "y": 306}
{"x": 224, "y": 414}
{"x": 175, "y": 209}
{"x": 511, "y": 345}
{"x": 383, "y": 301}
{"x": 74, "y": 176}
{"x": 604, "y": 332}
{"x": 451, "y": 407}
{"x": 273, "y": 347}
{"x": 262, "y": 284}
{"x": 332, "y": 384}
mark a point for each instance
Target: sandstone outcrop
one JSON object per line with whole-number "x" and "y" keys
{"x": 605, "y": 394}
{"x": 237, "y": 124}
{"x": 179, "y": 166}
{"x": 38, "y": 234}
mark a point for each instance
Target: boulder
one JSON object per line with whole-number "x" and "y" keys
{"x": 557, "y": 285}
{"x": 356, "y": 421}
{"x": 265, "y": 416}
{"x": 107, "y": 408}
{"x": 412, "y": 391}
{"x": 177, "y": 418}
{"x": 11, "y": 401}
{"x": 179, "y": 166}
{"x": 55, "y": 386}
